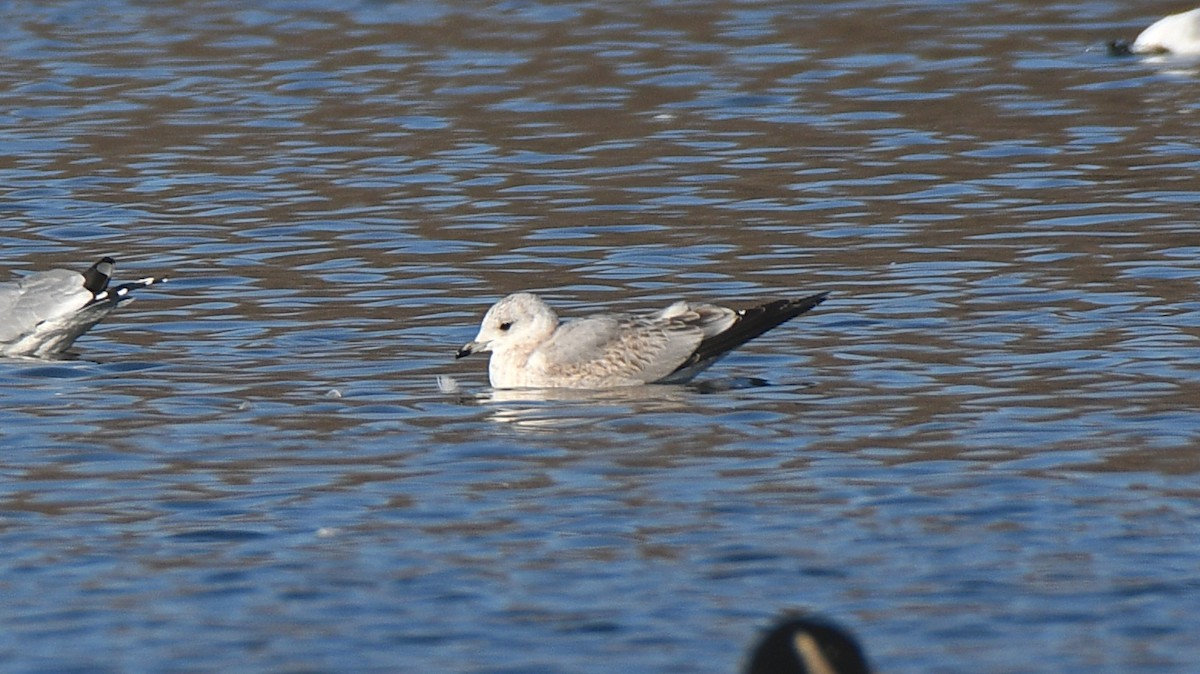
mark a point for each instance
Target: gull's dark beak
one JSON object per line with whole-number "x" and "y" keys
{"x": 466, "y": 350}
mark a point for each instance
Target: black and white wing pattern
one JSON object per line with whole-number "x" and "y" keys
{"x": 44, "y": 313}
{"x": 532, "y": 348}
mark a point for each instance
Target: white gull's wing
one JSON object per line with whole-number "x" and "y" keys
{"x": 37, "y": 298}
{"x": 44, "y": 313}
{"x": 615, "y": 350}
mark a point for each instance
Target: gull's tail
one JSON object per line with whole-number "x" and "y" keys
{"x": 750, "y": 323}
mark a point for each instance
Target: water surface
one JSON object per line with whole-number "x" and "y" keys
{"x": 979, "y": 453}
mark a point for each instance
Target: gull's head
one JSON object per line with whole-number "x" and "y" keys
{"x": 522, "y": 319}
{"x": 1177, "y": 34}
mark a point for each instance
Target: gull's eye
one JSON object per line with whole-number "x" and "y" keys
{"x": 505, "y": 326}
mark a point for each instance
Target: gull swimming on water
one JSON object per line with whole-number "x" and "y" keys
{"x": 1177, "y": 34}
{"x": 531, "y": 348}
{"x": 44, "y": 313}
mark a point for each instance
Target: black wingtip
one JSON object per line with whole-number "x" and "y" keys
{"x": 780, "y": 311}
{"x": 809, "y": 302}
{"x": 751, "y": 323}
{"x": 96, "y": 278}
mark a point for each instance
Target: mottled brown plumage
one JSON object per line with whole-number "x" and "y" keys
{"x": 531, "y": 348}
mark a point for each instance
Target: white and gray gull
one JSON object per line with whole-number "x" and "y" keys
{"x": 531, "y": 348}
{"x": 1177, "y": 34}
{"x": 44, "y": 313}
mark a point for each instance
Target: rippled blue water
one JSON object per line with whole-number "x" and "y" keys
{"x": 980, "y": 453}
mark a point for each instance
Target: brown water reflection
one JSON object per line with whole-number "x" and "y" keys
{"x": 985, "y": 437}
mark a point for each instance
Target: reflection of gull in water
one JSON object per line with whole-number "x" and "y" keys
{"x": 532, "y": 349}
{"x": 44, "y": 313}
{"x": 557, "y": 408}
{"x": 569, "y": 407}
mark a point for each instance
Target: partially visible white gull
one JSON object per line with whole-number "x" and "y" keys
{"x": 1177, "y": 34}
{"x": 44, "y": 313}
{"x": 532, "y": 349}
